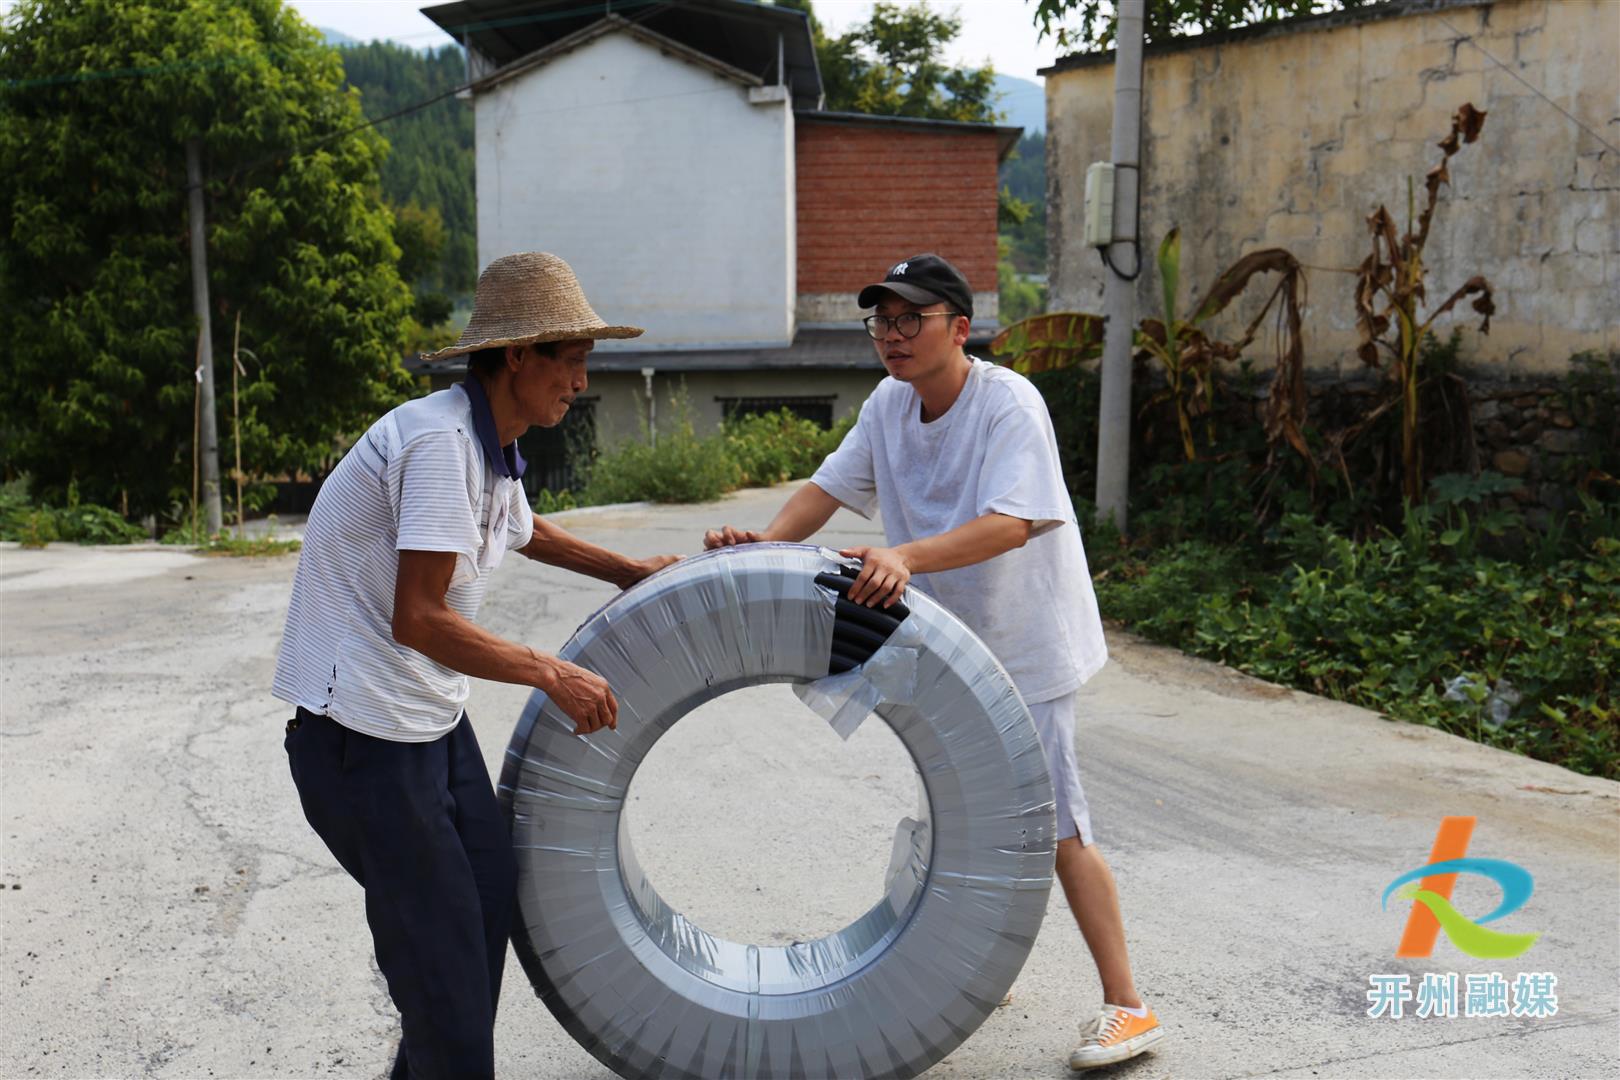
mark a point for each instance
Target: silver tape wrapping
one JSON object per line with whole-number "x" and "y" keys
{"x": 649, "y": 993}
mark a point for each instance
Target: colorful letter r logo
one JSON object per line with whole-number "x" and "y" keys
{"x": 1429, "y": 888}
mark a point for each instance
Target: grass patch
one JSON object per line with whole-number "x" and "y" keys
{"x": 252, "y": 547}
{"x": 229, "y": 544}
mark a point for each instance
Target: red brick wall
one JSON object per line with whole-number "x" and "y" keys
{"x": 871, "y": 196}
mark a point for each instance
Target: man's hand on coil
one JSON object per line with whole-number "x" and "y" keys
{"x": 728, "y": 536}
{"x": 883, "y": 576}
{"x": 583, "y": 696}
{"x": 641, "y": 568}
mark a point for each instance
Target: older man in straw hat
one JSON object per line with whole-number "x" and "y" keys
{"x": 380, "y": 642}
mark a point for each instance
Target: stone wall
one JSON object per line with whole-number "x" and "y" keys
{"x": 1540, "y": 430}
{"x": 1291, "y": 135}
{"x": 1525, "y": 430}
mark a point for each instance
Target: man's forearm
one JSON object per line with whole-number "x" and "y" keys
{"x": 802, "y": 515}
{"x": 460, "y": 644}
{"x": 559, "y": 547}
{"x": 978, "y": 541}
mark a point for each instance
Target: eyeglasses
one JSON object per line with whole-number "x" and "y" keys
{"x": 908, "y": 323}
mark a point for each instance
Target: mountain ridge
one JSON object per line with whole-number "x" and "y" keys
{"x": 1023, "y": 101}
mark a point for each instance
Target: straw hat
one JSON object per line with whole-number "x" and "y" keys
{"x": 527, "y": 298}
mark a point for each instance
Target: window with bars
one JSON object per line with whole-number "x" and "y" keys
{"x": 555, "y": 454}
{"x": 818, "y": 410}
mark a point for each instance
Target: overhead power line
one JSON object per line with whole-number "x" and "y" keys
{"x": 1536, "y": 90}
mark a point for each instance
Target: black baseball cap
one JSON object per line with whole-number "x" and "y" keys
{"x": 923, "y": 279}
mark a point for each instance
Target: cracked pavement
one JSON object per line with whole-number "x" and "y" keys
{"x": 167, "y": 912}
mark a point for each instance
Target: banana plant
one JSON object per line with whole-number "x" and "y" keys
{"x": 1050, "y": 342}
{"x": 1190, "y": 356}
{"x": 1062, "y": 339}
{"x": 1181, "y": 349}
{"x": 1390, "y": 289}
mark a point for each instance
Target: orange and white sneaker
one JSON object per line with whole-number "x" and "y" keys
{"x": 1114, "y": 1036}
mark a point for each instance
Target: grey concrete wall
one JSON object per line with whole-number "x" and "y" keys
{"x": 1292, "y": 137}
{"x": 621, "y": 408}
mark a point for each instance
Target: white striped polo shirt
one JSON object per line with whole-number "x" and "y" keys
{"x": 417, "y": 481}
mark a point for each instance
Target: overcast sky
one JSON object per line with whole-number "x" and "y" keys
{"x": 1000, "y": 31}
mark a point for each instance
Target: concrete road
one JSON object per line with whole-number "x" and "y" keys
{"x": 167, "y": 912}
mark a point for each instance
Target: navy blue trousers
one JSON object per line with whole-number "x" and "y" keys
{"x": 417, "y": 825}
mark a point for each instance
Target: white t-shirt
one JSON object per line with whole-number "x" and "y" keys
{"x": 417, "y": 481}
{"x": 992, "y": 452}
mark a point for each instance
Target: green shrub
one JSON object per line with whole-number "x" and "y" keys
{"x": 250, "y": 547}
{"x": 551, "y": 502}
{"x": 773, "y": 447}
{"x": 833, "y": 437}
{"x": 749, "y": 451}
{"x": 184, "y": 534}
{"x": 33, "y": 525}
{"x": 1591, "y": 395}
{"x": 1463, "y": 611}
{"x": 87, "y": 524}
{"x": 1528, "y": 655}
{"x": 33, "y": 529}
{"x": 681, "y": 468}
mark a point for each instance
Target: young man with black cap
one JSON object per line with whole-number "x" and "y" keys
{"x": 379, "y": 643}
{"x": 959, "y": 456}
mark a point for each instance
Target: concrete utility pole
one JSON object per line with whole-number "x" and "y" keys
{"x": 1119, "y": 293}
{"x": 205, "y": 355}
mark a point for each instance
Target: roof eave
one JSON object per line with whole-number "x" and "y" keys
{"x": 1007, "y": 136}
{"x": 612, "y": 24}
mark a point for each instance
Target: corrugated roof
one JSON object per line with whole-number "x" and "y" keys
{"x": 738, "y": 33}
{"x": 610, "y": 25}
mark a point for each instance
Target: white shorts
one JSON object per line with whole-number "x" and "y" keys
{"x": 1054, "y": 723}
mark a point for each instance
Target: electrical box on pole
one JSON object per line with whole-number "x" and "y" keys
{"x": 1099, "y": 220}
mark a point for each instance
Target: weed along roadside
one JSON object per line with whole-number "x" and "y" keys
{"x": 1507, "y": 652}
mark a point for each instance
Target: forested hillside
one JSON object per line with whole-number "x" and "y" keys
{"x": 428, "y": 176}
{"x": 1023, "y": 174}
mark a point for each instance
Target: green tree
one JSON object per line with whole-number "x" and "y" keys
{"x": 894, "y": 65}
{"x": 99, "y": 100}
{"x": 1020, "y": 299}
{"x": 421, "y": 237}
{"x": 1023, "y": 179}
{"x": 1089, "y": 24}
{"x": 430, "y": 163}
